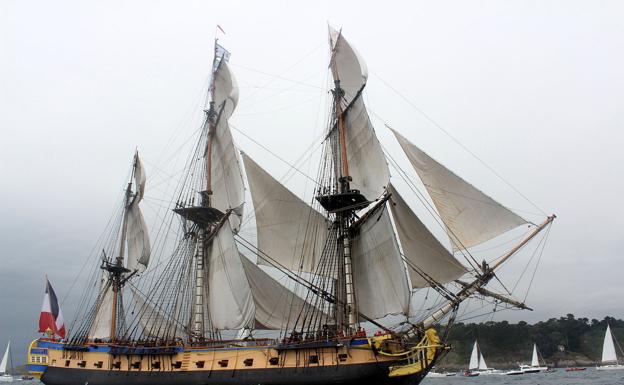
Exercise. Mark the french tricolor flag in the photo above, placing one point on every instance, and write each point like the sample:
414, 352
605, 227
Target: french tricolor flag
51, 317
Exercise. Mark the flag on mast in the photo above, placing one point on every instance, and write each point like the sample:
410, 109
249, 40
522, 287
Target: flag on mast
51, 317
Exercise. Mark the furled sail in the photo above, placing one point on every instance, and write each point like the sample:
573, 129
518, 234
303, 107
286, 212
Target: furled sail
421, 248
289, 230
228, 189
137, 235
153, 321
608, 348
379, 276
275, 303
367, 164
230, 301
101, 326
471, 217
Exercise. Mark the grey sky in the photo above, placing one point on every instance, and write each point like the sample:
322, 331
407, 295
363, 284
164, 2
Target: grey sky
534, 88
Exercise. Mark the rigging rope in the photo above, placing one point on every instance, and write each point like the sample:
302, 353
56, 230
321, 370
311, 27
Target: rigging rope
458, 142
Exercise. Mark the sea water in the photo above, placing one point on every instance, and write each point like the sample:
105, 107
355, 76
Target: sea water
591, 376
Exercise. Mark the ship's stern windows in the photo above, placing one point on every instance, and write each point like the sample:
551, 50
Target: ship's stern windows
200, 364
248, 362
67, 362
177, 365
313, 359
98, 364
136, 365
82, 364
342, 357
223, 363
117, 365
156, 365
274, 360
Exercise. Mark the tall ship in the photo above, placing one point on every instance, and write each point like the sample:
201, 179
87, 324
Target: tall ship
348, 259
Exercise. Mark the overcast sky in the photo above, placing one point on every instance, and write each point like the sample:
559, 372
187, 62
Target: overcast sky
533, 88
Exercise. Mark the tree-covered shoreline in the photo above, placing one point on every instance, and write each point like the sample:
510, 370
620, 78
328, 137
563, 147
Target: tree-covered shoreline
564, 341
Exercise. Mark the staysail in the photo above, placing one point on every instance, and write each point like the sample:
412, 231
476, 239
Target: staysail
153, 321
275, 304
608, 348
289, 230
367, 164
470, 216
482, 364
101, 326
230, 301
381, 285
421, 248
228, 189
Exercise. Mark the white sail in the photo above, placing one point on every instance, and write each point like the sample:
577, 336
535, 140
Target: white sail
421, 248
534, 359
482, 364
289, 230
5, 358
470, 216
367, 163
228, 189
608, 348
101, 326
230, 301
153, 321
139, 177
380, 281
275, 304
137, 236
474, 357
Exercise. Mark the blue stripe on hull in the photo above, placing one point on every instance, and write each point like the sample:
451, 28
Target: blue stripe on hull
37, 368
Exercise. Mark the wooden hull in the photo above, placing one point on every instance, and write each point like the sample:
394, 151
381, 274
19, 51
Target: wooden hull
343, 375
353, 362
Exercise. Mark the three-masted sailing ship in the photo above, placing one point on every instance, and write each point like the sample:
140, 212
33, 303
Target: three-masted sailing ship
352, 256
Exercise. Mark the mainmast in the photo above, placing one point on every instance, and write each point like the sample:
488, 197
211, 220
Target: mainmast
343, 202
345, 217
207, 218
206, 195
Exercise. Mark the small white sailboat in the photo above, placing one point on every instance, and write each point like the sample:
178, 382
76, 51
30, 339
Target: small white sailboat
535, 364
477, 365
609, 357
4, 375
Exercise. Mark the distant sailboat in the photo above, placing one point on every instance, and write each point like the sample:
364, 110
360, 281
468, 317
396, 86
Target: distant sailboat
535, 364
477, 365
609, 357
4, 375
